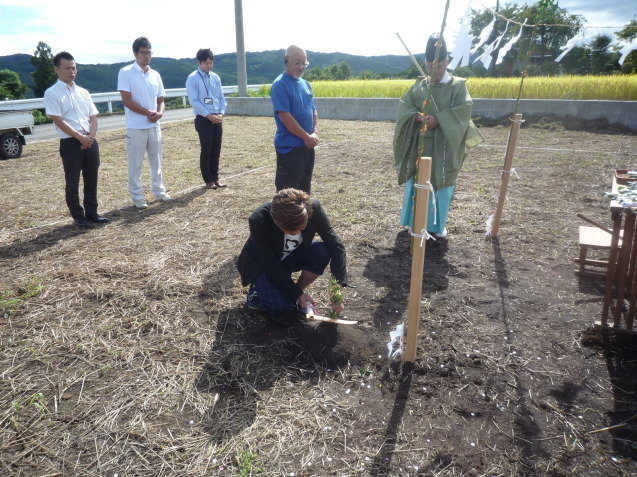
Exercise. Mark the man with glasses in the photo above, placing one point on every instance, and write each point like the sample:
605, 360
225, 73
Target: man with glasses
209, 105
448, 136
296, 123
142, 93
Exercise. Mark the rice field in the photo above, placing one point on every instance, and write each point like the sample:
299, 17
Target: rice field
611, 88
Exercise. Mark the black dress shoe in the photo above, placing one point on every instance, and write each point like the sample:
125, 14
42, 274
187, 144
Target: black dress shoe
98, 219
81, 222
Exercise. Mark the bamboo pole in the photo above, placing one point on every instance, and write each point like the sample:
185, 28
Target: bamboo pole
418, 256
413, 59
506, 172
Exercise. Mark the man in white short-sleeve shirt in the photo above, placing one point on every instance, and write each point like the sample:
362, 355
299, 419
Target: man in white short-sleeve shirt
75, 117
143, 93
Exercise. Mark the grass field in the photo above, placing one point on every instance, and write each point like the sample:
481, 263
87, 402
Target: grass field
127, 349
616, 87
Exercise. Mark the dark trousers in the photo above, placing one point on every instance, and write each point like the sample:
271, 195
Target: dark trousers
314, 259
80, 162
210, 141
294, 169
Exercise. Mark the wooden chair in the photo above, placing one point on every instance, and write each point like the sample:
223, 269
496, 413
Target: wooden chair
592, 238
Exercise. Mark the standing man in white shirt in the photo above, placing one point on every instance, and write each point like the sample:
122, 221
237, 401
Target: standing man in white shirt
75, 117
209, 105
142, 93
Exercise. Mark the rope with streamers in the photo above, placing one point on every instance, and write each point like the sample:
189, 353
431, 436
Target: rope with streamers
512, 171
424, 235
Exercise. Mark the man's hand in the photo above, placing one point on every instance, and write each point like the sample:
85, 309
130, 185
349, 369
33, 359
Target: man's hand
304, 300
154, 116
311, 141
87, 141
215, 118
338, 308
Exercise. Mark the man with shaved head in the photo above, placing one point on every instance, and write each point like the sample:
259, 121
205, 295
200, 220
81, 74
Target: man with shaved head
296, 123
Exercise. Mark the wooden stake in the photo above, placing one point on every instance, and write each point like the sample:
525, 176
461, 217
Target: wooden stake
506, 173
612, 266
418, 255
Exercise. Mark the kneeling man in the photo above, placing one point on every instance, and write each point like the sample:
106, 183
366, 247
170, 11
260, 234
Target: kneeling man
280, 243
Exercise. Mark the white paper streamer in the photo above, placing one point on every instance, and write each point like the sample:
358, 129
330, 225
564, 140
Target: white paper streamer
572, 43
486, 57
462, 47
396, 337
489, 224
626, 50
484, 35
505, 49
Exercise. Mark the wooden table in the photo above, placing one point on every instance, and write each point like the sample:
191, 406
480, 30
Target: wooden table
620, 279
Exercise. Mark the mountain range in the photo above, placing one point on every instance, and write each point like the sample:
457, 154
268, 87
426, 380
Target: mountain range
262, 67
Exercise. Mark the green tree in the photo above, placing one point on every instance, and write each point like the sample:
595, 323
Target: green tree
368, 75
577, 61
411, 71
344, 71
44, 74
553, 27
10, 85
600, 55
481, 18
315, 73
628, 34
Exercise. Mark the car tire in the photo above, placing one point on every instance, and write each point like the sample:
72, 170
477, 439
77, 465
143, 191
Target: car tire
10, 146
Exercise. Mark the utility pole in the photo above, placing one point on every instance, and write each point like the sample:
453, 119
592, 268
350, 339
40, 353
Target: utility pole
242, 77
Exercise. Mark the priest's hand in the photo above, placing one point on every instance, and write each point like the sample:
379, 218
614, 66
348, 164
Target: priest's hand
432, 122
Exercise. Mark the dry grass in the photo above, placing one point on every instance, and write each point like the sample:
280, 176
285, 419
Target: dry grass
126, 349
102, 368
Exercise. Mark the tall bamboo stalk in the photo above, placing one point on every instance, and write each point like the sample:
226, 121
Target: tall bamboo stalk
430, 84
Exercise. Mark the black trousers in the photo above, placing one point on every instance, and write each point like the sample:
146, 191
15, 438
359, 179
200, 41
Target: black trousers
210, 135
80, 162
294, 169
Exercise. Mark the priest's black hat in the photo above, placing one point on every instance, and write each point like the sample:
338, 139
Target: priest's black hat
430, 53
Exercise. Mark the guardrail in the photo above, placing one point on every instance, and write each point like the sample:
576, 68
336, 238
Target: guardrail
384, 109
110, 98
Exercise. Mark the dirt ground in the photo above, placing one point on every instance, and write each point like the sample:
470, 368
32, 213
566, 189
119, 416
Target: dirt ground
127, 349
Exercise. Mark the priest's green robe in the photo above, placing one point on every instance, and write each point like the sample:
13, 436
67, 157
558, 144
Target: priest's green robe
447, 145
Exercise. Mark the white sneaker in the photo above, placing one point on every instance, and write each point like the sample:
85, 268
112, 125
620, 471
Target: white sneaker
442, 234
140, 204
164, 198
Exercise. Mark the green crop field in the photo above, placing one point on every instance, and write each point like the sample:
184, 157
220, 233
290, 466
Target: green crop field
617, 88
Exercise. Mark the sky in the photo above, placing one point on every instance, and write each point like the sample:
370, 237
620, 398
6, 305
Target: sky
104, 32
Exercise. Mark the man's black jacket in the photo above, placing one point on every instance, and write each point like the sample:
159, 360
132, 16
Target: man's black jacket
263, 250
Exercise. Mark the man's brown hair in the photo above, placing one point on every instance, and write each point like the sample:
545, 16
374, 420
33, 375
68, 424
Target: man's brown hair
291, 209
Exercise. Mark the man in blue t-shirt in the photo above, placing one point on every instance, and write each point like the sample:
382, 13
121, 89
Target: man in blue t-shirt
296, 123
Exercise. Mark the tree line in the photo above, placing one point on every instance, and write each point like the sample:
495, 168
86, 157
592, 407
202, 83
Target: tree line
535, 52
